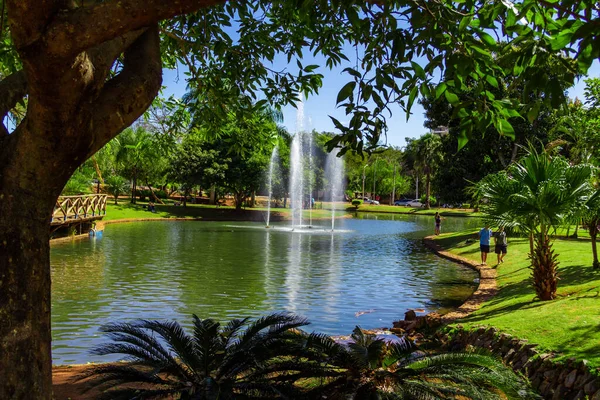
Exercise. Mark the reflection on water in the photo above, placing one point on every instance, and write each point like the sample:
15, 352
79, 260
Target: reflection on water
169, 270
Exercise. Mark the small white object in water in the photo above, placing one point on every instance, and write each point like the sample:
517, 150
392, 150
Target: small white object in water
359, 313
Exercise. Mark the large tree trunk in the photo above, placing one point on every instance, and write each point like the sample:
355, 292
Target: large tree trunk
239, 199
72, 112
25, 357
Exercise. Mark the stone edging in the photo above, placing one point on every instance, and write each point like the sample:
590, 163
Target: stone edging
565, 380
487, 282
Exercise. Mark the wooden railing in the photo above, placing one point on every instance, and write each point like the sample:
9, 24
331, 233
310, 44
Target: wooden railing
73, 208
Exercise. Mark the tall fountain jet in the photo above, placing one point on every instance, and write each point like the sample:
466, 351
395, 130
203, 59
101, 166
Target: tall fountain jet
274, 161
297, 170
334, 171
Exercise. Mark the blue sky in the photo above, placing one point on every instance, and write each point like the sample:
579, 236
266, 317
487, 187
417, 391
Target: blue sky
318, 108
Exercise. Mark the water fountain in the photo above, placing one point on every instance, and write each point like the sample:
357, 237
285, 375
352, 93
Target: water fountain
273, 163
297, 168
302, 165
296, 180
334, 171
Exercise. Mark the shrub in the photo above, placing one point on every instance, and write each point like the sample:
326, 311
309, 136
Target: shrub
432, 199
356, 203
161, 194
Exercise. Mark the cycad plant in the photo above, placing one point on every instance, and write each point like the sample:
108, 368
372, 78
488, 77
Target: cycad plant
534, 195
243, 359
370, 368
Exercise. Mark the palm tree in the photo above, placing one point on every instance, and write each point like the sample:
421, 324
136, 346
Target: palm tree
243, 359
116, 186
370, 368
534, 195
428, 155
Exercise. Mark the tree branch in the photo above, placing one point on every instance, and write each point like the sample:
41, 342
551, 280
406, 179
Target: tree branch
78, 30
125, 97
13, 88
28, 19
103, 56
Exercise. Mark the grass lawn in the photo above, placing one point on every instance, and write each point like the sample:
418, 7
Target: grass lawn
125, 210
569, 325
418, 211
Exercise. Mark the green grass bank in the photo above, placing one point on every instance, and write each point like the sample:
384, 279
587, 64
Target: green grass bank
569, 325
125, 210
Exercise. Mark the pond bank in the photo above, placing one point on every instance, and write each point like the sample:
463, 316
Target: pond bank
487, 282
553, 342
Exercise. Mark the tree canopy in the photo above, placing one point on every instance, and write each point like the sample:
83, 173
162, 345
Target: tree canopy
78, 72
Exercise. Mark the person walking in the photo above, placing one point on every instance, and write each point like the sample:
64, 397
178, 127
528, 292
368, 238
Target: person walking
438, 223
501, 244
484, 242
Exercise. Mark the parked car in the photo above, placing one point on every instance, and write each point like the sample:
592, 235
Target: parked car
402, 202
369, 201
414, 203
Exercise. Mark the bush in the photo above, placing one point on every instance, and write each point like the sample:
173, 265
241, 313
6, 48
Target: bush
161, 194
432, 199
356, 203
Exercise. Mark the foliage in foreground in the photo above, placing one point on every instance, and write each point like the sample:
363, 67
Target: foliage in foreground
272, 358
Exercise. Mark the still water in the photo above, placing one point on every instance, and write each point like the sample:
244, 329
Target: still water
368, 275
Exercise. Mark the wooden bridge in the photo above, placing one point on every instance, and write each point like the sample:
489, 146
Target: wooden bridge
77, 209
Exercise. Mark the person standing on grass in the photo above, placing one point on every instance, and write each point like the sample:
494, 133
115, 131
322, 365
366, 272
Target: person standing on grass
484, 242
501, 244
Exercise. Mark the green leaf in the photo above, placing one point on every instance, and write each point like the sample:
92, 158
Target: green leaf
463, 138
440, 89
492, 80
487, 39
411, 99
451, 97
353, 72
505, 128
419, 71
346, 92
561, 40
464, 23
533, 112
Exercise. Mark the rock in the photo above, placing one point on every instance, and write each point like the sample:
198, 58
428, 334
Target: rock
420, 322
397, 331
410, 315
570, 379
401, 324
591, 388
579, 396
596, 396
433, 320
559, 393
544, 388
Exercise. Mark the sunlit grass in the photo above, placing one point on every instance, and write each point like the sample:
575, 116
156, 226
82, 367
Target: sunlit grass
125, 210
569, 325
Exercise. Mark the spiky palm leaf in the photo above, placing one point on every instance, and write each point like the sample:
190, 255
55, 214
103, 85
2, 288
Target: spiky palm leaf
402, 373
243, 359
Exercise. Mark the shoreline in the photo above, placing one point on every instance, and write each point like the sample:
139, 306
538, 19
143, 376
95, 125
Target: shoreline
488, 287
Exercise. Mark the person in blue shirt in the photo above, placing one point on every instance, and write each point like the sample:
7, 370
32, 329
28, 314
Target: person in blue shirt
484, 242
